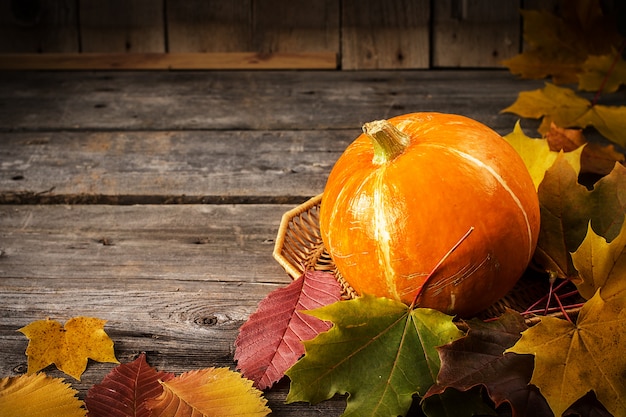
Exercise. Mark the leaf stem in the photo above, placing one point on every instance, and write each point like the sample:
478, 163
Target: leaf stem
436, 267
608, 73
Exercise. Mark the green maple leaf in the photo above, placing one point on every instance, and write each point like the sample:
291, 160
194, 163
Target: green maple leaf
566, 109
379, 351
602, 265
572, 359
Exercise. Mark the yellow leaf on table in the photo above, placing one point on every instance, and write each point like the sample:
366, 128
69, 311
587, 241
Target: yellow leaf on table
603, 71
572, 359
566, 109
601, 265
537, 155
69, 347
214, 392
38, 395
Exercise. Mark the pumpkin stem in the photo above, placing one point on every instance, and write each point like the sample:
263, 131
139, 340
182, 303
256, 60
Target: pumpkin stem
388, 141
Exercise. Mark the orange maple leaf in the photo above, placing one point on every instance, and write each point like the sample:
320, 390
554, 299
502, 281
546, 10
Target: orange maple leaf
68, 347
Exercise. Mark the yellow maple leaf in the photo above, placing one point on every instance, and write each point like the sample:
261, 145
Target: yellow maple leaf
558, 45
68, 347
215, 392
601, 265
609, 69
572, 359
563, 107
537, 155
38, 395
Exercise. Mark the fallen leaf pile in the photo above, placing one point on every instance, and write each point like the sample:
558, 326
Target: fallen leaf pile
580, 46
389, 359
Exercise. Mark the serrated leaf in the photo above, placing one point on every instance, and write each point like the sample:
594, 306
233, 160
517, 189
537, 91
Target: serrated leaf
69, 347
567, 208
210, 392
537, 154
603, 71
379, 351
270, 341
563, 107
38, 395
572, 359
565, 211
479, 359
124, 391
602, 265
559, 44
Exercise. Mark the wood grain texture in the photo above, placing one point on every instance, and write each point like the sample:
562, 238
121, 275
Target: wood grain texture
167, 167
209, 25
295, 26
385, 35
265, 100
36, 27
122, 26
169, 61
475, 33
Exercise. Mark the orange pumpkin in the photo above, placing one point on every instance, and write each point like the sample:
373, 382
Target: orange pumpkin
404, 195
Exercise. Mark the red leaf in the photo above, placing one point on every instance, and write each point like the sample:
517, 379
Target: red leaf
124, 391
270, 342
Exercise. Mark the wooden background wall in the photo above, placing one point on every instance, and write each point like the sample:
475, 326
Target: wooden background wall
343, 34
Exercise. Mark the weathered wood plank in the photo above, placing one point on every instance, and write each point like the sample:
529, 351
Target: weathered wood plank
167, 167
122, 26
209, 25
38, 26
176, 282
475, 33
169, 61
295, 26
273, 100
385, 35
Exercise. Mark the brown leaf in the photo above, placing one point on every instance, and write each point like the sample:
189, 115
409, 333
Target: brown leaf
124, 391
562, 139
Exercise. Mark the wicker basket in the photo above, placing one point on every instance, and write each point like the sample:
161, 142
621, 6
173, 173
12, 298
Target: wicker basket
299, 247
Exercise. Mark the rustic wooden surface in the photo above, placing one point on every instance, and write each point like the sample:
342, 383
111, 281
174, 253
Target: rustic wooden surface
364, 34
152, 200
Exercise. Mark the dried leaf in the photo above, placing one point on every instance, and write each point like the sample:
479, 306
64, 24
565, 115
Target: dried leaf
599, 159
565, 212
609, 69
379, 351
602, 265
210, 392
479, 359
270, 342
572, 359
124, 391
559, 44
537, 155
566, 140
68, 347
563, 107
38, 395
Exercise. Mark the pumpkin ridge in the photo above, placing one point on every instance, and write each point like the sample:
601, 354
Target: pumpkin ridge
500, 181
381, 230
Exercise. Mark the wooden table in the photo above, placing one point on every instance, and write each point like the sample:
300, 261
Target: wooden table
152, 199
